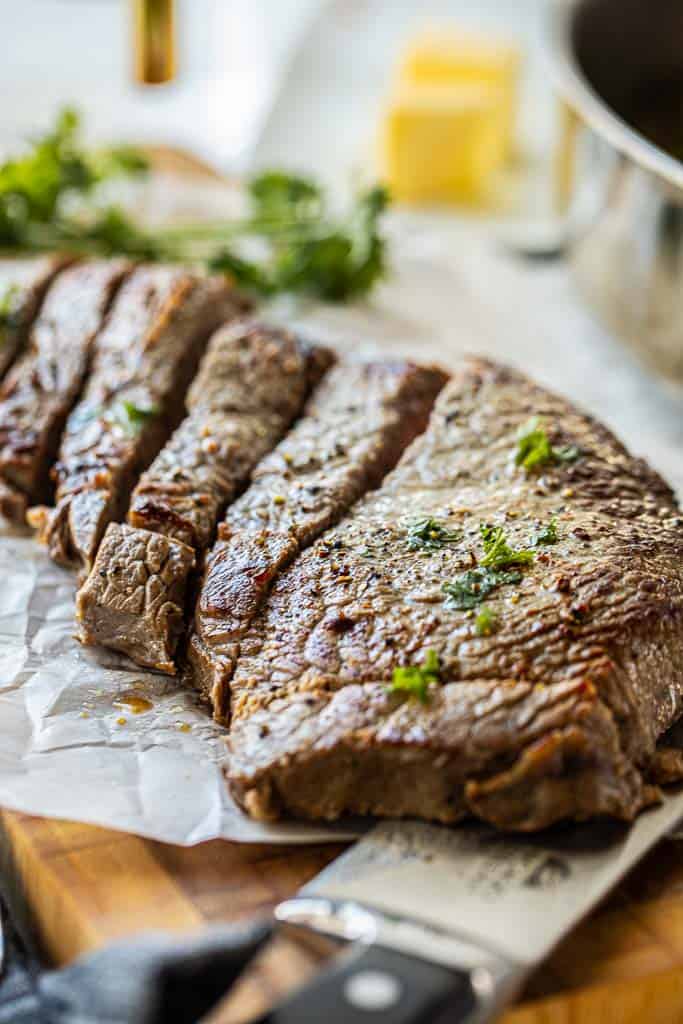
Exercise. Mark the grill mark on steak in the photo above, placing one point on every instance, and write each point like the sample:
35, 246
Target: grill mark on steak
251, 385
356, 426
146, 356
598, 616
26, 281
44, 383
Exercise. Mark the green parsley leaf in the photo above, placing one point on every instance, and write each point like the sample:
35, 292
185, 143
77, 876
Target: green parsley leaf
430, 534
486, 622
415, 680
474, 586
305, 248
497, 552
546, 534
276, 195
534, 447
133, 417
306, 251
33, 187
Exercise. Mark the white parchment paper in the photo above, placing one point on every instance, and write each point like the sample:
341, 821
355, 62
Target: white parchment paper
67, 750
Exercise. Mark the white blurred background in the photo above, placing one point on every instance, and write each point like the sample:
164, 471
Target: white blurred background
234, 57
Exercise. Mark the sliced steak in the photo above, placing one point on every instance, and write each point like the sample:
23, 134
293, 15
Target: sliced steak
144, 361
252, 383
23, 284
42, 386
356, 426
546, 706
134, 599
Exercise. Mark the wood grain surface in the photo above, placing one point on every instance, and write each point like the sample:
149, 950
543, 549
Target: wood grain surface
84, 886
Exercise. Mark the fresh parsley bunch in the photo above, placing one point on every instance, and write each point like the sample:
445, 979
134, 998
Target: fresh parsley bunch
304, 247
308, 250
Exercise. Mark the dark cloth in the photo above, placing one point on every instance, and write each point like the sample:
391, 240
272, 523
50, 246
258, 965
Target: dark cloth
154, 979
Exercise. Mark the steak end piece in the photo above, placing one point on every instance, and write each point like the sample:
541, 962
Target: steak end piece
134, 599
355, 427
546, 600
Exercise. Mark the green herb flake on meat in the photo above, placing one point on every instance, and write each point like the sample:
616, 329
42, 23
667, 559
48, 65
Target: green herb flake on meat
415, 680
534, 448
430, 535
486, 622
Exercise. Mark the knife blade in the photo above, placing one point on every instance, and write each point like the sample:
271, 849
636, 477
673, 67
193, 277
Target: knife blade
449, 922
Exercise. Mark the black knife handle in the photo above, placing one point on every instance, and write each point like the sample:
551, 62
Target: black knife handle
378, 985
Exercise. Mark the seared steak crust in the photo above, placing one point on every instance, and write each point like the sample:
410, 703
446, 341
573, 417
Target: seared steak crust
40, 389
554, 714
23, 284
356, 426
144, 361
252, 383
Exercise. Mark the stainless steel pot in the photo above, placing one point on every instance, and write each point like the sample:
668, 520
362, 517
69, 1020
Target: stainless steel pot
615, 60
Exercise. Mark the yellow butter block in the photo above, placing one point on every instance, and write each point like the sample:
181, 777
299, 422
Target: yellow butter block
442, 143
449, 57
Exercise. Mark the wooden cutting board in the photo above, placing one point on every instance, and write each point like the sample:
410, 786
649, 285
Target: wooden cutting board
80, 887
83, 886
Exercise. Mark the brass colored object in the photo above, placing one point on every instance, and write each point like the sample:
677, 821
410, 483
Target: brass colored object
155, 41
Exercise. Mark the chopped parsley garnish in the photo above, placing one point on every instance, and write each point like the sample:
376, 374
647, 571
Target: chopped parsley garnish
546, 534
430, 535
474, 586
534, 447
486, 622
497, 552
415, 679
133, 417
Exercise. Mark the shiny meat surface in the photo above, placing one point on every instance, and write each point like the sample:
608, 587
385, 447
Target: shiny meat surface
356, 426
23, 284
252, 382
251, 385
40, 389
144, 361
547, 707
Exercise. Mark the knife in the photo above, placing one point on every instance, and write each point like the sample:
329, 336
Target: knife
446, 924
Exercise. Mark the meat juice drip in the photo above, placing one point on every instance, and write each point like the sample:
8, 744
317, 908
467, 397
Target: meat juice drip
133, 702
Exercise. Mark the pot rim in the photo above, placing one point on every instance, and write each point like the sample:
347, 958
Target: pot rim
577, 91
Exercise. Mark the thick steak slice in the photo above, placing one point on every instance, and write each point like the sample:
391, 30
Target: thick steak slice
546, 706
356, 426
42, 386
23, 284
144, 361
252, 383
